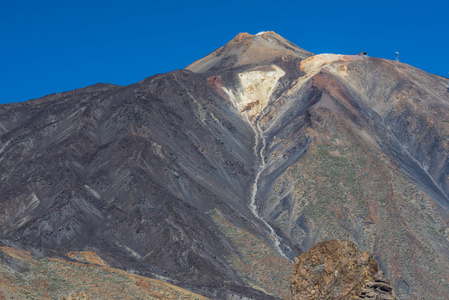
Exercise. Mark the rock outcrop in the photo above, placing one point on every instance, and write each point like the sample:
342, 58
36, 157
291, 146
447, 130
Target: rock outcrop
337, 269
379, 288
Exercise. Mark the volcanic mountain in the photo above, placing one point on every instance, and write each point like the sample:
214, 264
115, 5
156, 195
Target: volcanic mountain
216, 176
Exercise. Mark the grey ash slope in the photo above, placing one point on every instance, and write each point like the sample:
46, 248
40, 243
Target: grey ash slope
336, 146
129, 172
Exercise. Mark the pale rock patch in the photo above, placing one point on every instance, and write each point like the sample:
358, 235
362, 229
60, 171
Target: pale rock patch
257, 86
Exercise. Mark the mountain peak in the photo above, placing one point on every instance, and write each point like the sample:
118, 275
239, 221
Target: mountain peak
246, 49
262, 34
267, 34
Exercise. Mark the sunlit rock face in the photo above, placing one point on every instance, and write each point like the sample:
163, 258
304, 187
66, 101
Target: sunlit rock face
337, 269
288, 148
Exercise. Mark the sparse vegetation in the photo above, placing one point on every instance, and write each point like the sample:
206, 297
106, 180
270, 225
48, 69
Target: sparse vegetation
349, 190
56, 278
256, 263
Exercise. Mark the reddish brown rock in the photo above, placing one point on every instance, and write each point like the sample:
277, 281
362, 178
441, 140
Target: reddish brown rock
249, 106
337, 269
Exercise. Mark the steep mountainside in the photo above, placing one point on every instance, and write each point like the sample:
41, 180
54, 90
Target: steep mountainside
216, 176
130, 172
375, 171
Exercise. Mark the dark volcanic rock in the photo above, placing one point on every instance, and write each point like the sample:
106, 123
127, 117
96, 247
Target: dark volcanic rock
130, 172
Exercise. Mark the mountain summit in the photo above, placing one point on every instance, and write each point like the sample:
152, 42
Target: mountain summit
246, 49
215, 177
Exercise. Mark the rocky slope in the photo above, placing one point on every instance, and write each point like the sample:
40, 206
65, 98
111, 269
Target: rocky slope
259, 141
336, 269
85, 276
374, 172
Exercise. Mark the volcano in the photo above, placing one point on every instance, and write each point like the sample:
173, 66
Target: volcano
216, 176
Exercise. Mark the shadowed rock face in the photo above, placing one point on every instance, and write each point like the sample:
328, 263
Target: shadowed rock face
287, 147
379, 288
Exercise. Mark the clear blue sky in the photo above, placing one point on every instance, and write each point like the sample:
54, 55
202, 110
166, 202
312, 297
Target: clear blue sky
54, 46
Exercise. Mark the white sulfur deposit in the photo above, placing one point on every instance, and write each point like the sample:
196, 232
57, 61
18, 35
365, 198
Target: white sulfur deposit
257, 86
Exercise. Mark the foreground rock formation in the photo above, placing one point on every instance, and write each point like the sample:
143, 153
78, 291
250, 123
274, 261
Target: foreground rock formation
337, 269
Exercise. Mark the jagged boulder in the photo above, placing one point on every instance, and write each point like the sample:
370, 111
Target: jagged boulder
337, 269
378, 289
